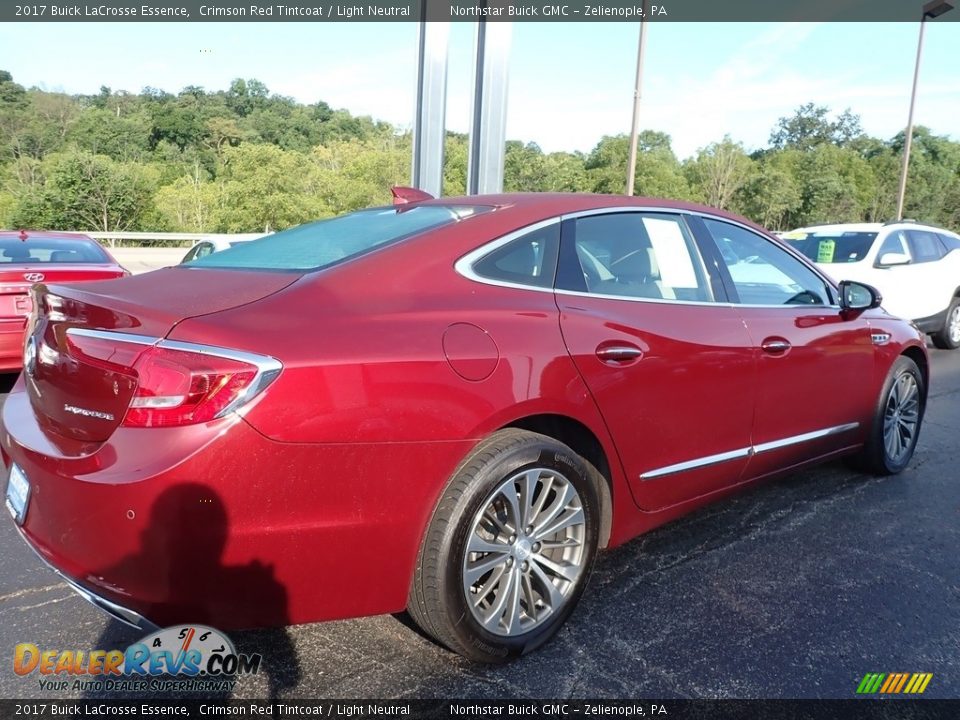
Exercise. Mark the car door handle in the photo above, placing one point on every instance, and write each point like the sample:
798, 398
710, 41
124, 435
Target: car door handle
619, 354
775, 346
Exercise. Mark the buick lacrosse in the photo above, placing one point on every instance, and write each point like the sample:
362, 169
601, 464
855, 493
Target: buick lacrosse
442, 406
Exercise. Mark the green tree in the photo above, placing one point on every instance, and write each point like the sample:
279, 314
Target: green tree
718, 172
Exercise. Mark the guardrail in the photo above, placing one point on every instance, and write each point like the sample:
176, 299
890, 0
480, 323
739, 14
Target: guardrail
151, 237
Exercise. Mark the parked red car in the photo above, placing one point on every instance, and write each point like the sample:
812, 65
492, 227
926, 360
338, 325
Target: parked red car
446, 407
30, 257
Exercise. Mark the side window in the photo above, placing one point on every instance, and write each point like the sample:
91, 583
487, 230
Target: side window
639, 255
204, 249
528, 260
924, 245
949, 242
895, 242
762, 272
191, 254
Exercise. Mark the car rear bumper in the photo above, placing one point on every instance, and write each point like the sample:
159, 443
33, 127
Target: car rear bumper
117, 612
217, 524
11, 343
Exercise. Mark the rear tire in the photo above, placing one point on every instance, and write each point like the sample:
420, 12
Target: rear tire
896, 421
948, 337
509, 548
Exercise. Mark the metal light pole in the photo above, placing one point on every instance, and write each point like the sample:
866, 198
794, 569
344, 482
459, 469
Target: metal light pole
635, 123
932, 9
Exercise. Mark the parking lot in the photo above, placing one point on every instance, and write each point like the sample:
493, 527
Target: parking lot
793, 589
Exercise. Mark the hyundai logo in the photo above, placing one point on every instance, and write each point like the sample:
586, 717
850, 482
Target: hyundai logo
33, 277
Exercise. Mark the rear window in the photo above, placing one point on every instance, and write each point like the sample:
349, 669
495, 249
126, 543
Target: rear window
843, 247
323, 243
34, 251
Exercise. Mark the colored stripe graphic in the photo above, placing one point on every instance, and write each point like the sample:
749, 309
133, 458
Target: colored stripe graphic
894, 683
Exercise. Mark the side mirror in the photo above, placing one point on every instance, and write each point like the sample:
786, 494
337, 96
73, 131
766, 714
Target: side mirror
858, 296
889, 259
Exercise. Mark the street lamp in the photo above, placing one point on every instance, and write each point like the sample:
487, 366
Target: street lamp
933, 9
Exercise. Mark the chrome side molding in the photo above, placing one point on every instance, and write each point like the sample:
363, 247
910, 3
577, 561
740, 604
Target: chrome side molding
747, 451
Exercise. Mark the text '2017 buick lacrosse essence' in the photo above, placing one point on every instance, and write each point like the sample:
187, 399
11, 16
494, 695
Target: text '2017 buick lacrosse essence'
445, 407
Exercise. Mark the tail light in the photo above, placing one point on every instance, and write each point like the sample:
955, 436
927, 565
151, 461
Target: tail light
177, 383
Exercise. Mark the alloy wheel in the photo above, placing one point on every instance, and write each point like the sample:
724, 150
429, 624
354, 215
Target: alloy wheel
901, 417
953, 325
525, 552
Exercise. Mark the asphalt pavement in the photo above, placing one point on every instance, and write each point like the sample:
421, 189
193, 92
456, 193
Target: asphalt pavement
794, 589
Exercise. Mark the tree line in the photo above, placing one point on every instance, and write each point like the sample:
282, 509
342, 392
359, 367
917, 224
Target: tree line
246, 160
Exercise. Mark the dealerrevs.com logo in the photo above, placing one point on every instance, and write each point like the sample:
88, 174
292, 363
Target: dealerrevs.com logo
183, 657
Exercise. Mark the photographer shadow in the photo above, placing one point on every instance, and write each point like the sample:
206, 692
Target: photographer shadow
183, 544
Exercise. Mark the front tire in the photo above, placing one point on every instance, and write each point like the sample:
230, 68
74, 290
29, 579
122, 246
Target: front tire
896, 421
948, 337
509, 549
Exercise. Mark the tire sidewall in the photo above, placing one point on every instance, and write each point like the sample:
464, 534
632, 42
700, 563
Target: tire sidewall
543, 452
903, 365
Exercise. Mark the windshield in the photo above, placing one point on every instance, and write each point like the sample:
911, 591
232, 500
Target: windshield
35, 251
323, 243
832, 247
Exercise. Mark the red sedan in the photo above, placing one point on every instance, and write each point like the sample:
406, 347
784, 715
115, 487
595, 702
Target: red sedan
446, 406
30, 257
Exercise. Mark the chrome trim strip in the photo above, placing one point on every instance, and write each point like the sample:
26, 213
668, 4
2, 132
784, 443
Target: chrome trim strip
746, 452
656, 301
699, 462
268, 368
111, 335
796, 439
117, 612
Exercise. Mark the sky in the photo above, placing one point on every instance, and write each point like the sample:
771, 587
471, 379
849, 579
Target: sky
570, 83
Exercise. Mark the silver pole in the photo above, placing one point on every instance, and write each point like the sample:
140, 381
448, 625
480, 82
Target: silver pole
429, 126
635, 123
488, 129
906, 148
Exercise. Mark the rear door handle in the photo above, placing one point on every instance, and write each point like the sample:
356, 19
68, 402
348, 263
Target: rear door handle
619, 354
775, 346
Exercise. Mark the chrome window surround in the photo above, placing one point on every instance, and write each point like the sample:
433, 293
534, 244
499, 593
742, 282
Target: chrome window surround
464, 266
268, 368
747, 451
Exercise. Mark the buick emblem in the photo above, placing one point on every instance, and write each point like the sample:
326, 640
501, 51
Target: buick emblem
30, 355
33, 277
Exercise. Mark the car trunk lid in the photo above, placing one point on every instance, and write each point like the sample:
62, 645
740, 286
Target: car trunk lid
84, 339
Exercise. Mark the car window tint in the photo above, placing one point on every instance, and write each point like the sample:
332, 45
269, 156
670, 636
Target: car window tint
764, 273
320, 244
640, 255
895, 242
833, 247
924, 245
528, 260
50, 250
950, 242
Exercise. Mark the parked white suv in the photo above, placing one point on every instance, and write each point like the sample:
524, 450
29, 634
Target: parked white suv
915, 267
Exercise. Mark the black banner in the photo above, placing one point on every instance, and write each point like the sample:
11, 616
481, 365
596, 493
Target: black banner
856, 709
469, 11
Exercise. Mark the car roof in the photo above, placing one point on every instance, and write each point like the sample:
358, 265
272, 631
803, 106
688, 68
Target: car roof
552, 204
841, 227
45, 235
